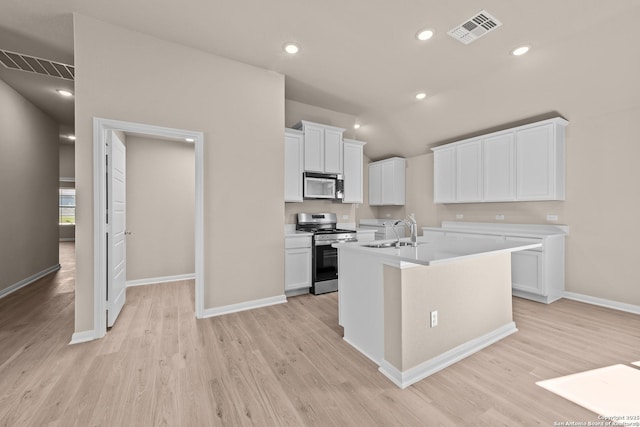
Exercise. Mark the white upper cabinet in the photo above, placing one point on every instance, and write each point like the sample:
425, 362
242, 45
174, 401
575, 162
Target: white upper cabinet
498, 168
387, 182
469, 171
353, 171
375, 184
333, 152
540, 162
519, 164
322, 147
293, 165
444, 175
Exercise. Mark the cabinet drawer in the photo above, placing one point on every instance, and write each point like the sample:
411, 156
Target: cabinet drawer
297, 242
527, 240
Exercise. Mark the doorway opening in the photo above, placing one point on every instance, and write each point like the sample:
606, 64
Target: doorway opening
102, 128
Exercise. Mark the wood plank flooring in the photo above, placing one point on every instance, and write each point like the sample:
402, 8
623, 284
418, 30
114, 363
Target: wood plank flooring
284, 365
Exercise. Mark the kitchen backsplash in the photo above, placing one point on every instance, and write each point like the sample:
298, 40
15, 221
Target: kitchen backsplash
316, 206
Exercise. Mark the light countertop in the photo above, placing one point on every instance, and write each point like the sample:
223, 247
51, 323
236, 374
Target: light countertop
523, 230
438, 250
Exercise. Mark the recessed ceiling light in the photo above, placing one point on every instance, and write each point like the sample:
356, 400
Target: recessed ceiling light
520, 50
64, 92
356, 126
189, 139
425, 34
291, 48
421, 95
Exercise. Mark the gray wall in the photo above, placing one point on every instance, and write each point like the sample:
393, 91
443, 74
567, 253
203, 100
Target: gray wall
29, 190
160, 208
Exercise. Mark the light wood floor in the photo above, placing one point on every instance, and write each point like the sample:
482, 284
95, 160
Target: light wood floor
279, 365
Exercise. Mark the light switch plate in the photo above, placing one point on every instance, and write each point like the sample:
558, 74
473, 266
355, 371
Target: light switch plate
500, 217
552, 217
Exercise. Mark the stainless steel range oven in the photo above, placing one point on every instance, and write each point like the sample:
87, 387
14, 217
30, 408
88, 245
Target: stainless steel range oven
325, 257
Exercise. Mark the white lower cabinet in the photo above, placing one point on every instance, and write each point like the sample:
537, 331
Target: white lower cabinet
526, 271
536, 274
297, 263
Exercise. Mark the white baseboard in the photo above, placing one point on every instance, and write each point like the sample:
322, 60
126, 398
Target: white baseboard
630, 308
29, 280
154, 280
404, 379
84, 336
249, 305
67, 239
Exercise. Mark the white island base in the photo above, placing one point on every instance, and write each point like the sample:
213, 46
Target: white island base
385, 306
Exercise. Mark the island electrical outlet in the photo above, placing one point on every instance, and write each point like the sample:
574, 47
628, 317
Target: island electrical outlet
434, 319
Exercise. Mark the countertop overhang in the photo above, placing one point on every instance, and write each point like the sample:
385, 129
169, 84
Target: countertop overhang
439, 250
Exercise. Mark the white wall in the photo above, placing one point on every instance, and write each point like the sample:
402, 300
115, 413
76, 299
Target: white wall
160, 208
125, 75
29, 190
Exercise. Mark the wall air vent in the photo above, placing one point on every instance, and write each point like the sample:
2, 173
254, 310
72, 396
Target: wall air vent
475, 27
31, 64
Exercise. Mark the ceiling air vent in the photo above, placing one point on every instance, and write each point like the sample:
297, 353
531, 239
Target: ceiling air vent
18, 61
475, 27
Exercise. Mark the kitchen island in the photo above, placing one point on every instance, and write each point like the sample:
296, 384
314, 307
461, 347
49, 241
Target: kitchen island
416, 310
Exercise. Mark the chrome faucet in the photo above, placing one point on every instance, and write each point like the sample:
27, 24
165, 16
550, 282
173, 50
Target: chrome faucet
413, 227
400, 221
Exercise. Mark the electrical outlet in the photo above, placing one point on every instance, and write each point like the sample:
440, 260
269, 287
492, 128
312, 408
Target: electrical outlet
459, 216
434, 318
500, 217
552, 217
345, 216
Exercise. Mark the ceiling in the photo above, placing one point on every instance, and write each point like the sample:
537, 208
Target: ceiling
361, 57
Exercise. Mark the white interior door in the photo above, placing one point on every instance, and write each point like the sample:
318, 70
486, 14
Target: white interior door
116, 225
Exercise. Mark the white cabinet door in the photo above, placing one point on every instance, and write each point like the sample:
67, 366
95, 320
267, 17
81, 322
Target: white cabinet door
387, 182
297, 273
469, 172
293, 165
375, 184
526, 271
313, 148
353, 169
444, 174
498, 168
333, 151
535, 163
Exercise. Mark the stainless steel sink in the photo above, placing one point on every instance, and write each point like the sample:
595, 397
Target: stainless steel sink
387, 245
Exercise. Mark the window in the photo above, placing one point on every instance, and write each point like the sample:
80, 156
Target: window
67, 206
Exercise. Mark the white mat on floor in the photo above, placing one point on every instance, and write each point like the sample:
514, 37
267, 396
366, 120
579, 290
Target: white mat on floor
613, 391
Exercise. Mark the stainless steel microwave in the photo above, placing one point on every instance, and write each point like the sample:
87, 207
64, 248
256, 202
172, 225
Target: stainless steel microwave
323, 186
